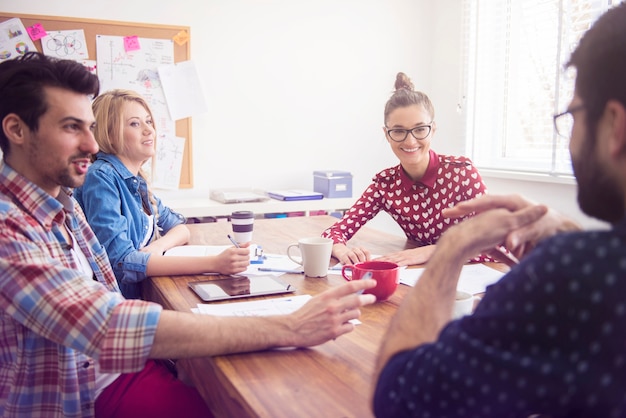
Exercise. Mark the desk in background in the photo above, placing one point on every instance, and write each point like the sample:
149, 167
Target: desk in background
330, 380
205, 207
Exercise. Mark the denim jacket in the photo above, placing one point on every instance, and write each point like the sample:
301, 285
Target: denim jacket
113, 201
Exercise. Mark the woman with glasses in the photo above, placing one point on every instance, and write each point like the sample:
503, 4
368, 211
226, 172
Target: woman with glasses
129, 220
416, 190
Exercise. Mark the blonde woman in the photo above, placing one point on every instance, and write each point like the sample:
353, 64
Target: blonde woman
132, 223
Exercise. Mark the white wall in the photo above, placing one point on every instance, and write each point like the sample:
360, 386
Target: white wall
295, 86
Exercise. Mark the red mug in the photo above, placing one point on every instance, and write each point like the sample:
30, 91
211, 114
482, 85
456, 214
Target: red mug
386, 274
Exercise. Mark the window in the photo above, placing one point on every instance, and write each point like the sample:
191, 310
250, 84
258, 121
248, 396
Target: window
514, 79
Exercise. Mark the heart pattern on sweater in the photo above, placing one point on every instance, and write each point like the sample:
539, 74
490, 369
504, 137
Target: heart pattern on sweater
417, 207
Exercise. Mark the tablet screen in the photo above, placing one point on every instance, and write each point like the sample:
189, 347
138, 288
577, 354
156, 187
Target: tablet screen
234, 287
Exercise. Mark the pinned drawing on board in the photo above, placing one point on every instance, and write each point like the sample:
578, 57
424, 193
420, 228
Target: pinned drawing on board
65, 44
14, 39
168, 161
90, 65
138, 71
182, 89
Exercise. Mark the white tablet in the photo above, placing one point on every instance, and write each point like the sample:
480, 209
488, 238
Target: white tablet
236, 286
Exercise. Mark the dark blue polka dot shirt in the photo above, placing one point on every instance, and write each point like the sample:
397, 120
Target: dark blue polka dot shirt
548, 338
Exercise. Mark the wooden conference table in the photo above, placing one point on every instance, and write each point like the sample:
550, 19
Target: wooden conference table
330, 380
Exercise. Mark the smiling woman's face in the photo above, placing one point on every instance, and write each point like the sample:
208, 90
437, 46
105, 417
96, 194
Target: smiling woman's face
412, 153
139, 133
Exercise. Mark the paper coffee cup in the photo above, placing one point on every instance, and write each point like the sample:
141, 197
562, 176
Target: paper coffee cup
243, 224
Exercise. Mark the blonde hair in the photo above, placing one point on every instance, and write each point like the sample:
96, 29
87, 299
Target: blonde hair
405, 95
109, 131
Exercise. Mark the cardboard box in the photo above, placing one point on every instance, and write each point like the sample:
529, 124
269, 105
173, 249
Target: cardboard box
333, 183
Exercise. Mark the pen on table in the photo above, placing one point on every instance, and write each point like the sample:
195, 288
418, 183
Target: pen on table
368, 275
507, 254
281, 270
233, 241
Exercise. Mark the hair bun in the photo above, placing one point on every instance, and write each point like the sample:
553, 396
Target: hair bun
403, 82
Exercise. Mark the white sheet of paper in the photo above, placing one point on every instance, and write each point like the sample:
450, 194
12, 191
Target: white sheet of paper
14, 39
183, 89
196, 250
168, 162
263, 307
474, 278
65, 44
279, 262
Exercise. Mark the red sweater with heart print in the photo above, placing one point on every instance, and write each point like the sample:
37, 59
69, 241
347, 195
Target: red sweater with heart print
415, 206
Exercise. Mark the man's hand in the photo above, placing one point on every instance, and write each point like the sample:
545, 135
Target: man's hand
519, 241
489, 229
327, 315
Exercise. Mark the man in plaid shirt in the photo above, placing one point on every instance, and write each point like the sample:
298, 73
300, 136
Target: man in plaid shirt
70, 344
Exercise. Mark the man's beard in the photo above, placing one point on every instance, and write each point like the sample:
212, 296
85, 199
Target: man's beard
67, 180
599, 195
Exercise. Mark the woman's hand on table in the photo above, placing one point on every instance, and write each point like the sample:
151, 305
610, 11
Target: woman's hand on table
232, 260
410, 257
347, 255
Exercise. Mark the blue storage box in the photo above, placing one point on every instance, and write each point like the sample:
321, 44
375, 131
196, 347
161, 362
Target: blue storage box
333, 183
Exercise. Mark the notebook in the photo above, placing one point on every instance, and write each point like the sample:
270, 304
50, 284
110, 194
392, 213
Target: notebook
238, 195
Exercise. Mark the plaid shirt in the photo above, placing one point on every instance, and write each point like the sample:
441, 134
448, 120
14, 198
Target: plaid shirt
55, 323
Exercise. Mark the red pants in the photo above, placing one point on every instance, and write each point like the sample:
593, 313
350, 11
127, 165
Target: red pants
153, 392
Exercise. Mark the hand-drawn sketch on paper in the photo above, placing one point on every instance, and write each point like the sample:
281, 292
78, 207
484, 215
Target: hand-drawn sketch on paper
138, 70
168, 161
65, 44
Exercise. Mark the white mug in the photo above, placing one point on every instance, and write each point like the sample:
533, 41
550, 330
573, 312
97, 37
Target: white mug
315, 255
463, 304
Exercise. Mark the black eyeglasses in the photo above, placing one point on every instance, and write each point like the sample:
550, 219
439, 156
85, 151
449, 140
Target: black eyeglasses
399, 135
564, 122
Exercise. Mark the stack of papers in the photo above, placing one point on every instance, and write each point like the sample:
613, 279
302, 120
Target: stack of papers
272, 264
474, 278
263, 307
238, 195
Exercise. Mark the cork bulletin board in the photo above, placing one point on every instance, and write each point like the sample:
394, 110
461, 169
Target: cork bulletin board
93, 27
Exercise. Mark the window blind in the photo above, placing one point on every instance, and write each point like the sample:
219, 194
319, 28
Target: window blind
514, 79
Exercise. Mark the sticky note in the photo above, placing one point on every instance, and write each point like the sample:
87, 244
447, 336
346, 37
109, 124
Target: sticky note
36, 31
131, 43
181, 37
